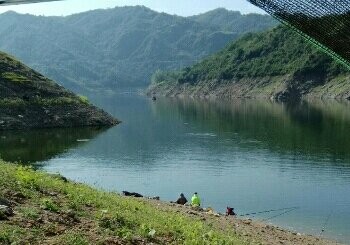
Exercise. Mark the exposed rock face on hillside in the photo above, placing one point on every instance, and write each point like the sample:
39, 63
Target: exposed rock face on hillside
276, 64
29, 100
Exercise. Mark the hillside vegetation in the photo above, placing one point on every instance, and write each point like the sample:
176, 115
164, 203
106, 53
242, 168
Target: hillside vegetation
277, 63
29, 100
120, 47
234, 21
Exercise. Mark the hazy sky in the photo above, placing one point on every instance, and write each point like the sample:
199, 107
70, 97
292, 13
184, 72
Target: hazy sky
179, 7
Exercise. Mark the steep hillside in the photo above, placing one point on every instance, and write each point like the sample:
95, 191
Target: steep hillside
113, 48
275, 64
29, 100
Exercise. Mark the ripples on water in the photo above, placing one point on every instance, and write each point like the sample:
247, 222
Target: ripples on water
251, 155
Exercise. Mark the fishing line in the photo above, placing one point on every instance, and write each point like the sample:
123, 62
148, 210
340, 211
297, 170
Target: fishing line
268, 211
278, 215
326, 222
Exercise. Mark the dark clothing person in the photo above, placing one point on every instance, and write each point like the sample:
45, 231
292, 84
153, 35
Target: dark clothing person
229, 211
182, 199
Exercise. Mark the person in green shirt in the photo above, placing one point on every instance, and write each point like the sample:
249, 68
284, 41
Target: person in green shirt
195, 200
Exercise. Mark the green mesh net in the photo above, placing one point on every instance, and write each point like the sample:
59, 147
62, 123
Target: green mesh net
325, 23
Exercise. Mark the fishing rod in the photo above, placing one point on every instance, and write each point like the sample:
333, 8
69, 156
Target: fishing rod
268, 211
325, 223
278, 215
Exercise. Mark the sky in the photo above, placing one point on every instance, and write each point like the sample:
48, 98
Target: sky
179, 7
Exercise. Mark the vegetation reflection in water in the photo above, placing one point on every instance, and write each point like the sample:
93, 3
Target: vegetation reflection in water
317, 129
41, 145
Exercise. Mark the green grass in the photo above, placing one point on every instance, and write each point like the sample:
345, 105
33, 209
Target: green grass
17, 102
14, 102
58, 101
15, 77
83, 99
106, 215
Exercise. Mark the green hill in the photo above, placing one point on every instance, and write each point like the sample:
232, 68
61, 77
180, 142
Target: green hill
275, 64
29, 100
234, 21
120, 47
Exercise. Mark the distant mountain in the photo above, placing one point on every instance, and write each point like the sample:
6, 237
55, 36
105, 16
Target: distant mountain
234, 21
30, 100
276, 64
120, 47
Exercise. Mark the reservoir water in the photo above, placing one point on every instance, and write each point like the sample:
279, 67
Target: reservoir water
252, 155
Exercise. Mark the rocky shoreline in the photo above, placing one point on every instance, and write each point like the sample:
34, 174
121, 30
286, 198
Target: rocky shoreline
274, 88
53, 116
254, 232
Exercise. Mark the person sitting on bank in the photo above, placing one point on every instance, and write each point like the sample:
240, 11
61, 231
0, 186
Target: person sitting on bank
230, 211
195, 201
182, 199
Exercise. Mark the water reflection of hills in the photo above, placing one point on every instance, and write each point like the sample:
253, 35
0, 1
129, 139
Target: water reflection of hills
40, 145
316, 129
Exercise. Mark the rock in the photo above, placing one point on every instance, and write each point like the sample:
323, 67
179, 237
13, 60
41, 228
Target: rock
4, 202
64, 179
196, 208
191, 212
156, 198
5, 212
152, 233
19, 195
60, 177
247, 222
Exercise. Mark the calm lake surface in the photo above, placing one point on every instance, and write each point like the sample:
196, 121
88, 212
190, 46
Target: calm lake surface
252, 155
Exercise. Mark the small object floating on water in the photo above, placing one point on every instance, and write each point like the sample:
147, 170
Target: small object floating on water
154, 98
83, 140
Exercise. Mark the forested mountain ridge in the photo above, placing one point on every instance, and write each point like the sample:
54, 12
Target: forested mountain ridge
234, 21
30, 100
119, 47
276, 64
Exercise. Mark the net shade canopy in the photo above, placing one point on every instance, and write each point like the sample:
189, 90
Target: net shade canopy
15, 2
325, 23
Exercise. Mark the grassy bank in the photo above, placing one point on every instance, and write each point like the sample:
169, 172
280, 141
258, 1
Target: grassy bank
48, 209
